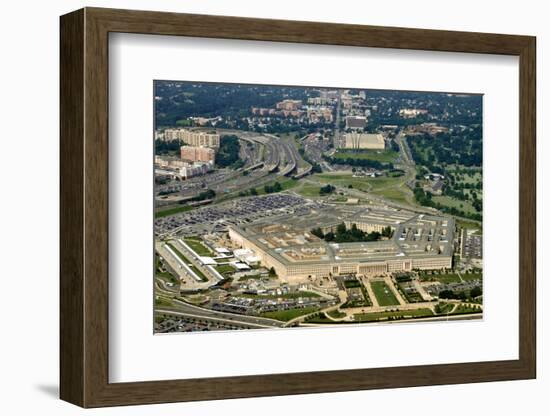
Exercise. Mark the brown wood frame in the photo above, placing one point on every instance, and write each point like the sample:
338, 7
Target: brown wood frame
84, 208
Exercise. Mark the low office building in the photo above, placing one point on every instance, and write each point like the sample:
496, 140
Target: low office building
191, 170
356, 122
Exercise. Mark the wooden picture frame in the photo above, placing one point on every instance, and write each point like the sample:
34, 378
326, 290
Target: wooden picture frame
84, 207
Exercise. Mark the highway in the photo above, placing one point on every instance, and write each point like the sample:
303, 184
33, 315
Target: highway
184, 307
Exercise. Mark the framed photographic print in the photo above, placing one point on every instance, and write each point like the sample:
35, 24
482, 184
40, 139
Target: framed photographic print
260, 207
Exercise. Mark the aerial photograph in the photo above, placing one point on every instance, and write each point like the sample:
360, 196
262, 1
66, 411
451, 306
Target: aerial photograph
310, 206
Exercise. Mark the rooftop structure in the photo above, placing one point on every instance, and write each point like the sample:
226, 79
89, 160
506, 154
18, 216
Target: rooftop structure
419, 241
290, 105
356, 122
363, 141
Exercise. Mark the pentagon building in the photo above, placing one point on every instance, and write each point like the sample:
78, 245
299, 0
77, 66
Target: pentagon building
419, 241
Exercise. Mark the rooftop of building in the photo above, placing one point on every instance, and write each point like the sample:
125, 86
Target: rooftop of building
289, 239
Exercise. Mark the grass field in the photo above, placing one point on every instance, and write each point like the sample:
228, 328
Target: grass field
289, 314
471, 176
286, 183
172, 211
377, 316
320, 319
462, 308
383, 156
395, 194
461, 223
336, 314
162, 301
225, 268
443, 308
308, 190
392, 188
198, 246
447, 201
472, 276
383, 294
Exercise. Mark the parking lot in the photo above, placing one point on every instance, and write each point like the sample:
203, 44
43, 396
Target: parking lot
207, 219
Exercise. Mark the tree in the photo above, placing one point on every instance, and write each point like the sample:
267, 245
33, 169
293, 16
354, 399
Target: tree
476, 291
341, 228
327, 189
318, 232
272, 272
228, 153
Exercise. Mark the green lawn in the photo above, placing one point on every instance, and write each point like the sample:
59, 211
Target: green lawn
336, 314
377, 316
162, 301
383, 156
447, 201
443, 308
172, 211
383, 294
286, 183
308, 190
461, 308
461, 223
198, 246
393, 188
289, 314
395, 194
472, 276
225, 268
472, 176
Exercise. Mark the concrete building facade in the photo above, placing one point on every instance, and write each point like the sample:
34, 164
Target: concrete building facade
418, 242
193, 138
197, 154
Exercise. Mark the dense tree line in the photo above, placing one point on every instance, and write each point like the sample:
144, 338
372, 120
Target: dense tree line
445, 109
180, 100
327, 189
162, 147
364, 163
460, 295
228, 153
270, 189
425, 198
344, 235
461, 148
203, 196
